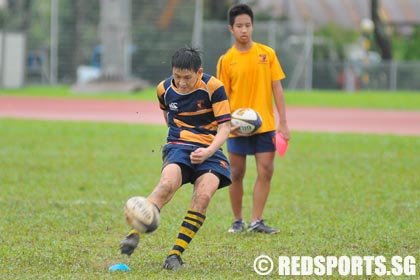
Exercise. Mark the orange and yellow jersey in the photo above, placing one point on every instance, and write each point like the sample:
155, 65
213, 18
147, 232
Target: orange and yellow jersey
193, 117
247, 77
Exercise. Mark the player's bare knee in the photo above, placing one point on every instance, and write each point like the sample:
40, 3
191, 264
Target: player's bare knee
200, 202
165, 190
266, 171
238, 173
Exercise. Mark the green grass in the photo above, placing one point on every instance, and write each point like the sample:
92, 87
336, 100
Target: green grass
362, 99
397, 100
63, 186
66, 92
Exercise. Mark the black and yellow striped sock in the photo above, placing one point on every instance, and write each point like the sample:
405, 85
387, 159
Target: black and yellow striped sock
189, 227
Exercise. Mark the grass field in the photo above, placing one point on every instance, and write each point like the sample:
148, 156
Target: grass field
63, 186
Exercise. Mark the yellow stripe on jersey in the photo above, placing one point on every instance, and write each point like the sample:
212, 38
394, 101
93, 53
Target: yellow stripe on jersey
220, 107
189, 136
182, 124
195, 113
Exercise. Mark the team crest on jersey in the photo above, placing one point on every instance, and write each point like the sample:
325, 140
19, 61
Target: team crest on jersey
223, 164
200, 105
263, 58
173, 106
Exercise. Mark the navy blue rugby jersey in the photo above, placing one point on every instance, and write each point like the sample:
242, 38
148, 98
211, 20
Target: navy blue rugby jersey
193, 117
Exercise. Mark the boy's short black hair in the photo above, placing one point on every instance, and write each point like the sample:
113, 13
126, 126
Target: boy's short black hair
187, 58
237, 10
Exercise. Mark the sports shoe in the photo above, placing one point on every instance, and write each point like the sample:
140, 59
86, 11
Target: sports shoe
237, 226
259, 226
129, 244
173, 262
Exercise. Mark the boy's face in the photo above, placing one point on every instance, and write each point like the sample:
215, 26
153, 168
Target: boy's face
242, 29
185, 80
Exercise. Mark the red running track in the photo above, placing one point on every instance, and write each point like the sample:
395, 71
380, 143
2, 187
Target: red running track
299, 118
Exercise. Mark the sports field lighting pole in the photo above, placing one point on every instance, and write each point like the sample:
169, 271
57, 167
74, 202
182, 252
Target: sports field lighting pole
197, 36
115, 35
366, 26
53, 41
2, 56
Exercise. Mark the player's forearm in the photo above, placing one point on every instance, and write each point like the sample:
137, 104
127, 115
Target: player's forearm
281, 110
221, 137
279, 102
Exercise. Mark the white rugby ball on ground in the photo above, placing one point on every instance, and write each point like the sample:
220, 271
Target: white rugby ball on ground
141, 214
248, 120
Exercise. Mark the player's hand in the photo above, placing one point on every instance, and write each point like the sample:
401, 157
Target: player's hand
284, 129
200, 155
235, 130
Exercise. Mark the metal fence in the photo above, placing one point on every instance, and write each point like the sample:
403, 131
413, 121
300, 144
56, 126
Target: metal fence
57, 45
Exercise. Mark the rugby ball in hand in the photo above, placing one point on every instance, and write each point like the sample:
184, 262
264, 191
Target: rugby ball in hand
248, 120
141, 214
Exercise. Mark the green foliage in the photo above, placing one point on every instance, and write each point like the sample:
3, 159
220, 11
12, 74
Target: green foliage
407, 48
81, 35
38, 33
333, 39
3, 16
153, 33
16, 17
216, 9
339, 38
63, 185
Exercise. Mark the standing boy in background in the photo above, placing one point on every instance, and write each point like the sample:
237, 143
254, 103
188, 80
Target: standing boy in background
251, 74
